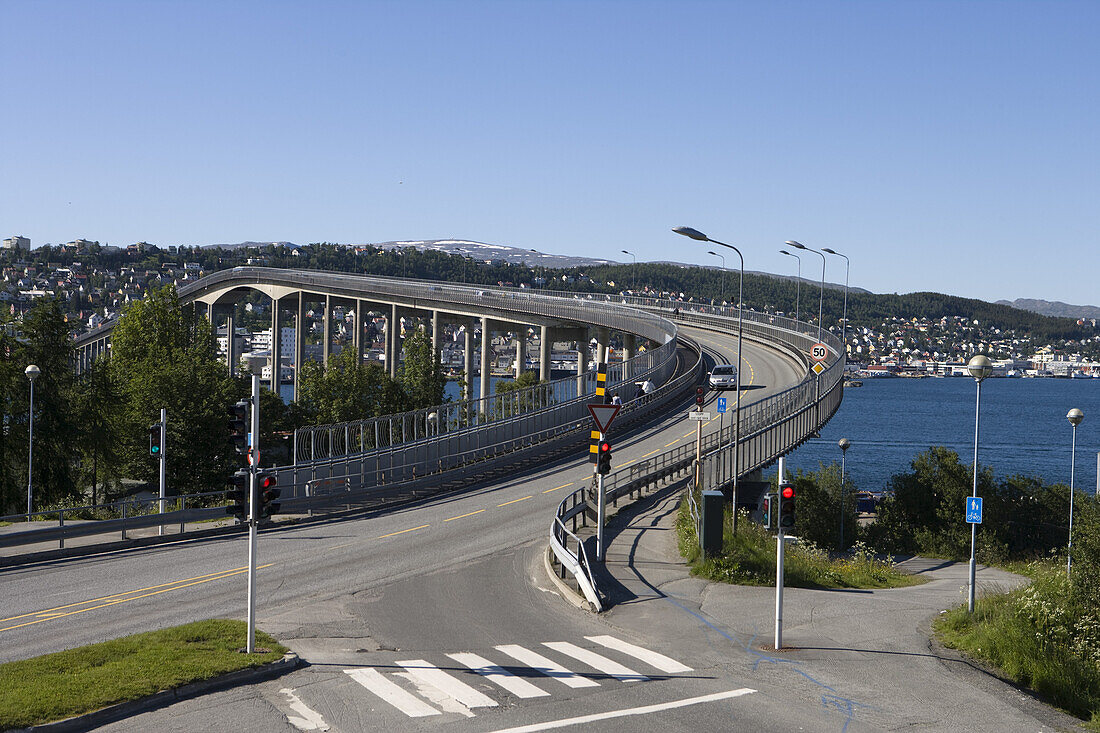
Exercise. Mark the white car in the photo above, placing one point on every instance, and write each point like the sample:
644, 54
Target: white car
723, 376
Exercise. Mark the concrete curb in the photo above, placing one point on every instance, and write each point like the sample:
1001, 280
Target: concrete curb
164, 698
564, 590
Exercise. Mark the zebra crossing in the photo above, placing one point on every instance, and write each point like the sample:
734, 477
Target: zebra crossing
421, 689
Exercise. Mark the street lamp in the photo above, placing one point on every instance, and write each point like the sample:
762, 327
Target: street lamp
700, 237
1075, 417
979, 367
844, 318
32, 373
797, 283
821, 297
633, 270
723, 273
844, 444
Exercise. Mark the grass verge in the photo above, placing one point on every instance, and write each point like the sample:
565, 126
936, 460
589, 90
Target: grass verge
77, 681
1038, 637
748, 558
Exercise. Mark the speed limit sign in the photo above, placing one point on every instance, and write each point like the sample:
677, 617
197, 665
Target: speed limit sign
819, 352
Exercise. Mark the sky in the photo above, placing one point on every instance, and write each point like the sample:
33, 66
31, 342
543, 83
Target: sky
942, 146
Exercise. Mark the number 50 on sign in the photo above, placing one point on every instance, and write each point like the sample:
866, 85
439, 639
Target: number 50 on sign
819, 352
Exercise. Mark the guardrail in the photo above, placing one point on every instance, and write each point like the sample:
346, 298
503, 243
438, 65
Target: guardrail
770, 427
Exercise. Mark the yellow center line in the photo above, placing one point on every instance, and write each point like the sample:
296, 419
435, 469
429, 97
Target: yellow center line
119, 595
672, 443
558, 487
513, 501
463, 516
393, 534
647, 455
688, 435
53, 616
624, 465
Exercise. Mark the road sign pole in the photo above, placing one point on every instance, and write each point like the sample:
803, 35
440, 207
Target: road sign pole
253, 511
601, 509
779, 543
699, 454
163, 461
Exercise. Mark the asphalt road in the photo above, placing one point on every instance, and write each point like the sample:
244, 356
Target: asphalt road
397, 591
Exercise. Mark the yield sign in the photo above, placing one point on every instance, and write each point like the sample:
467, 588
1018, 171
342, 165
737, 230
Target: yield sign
602, 415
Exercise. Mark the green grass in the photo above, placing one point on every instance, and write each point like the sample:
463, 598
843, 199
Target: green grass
76, 681
748, 558
1037, 637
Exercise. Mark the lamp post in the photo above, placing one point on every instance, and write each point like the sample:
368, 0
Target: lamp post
821, 297
843, 318
1075, 417
723, 273
797, 283
979, 367
32, 373
633, 270
844, 444
700, 237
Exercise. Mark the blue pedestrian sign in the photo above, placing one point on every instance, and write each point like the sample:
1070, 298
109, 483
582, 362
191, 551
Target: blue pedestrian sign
974, 509
721, 404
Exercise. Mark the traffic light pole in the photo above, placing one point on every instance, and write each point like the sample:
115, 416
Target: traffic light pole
779, 544
253, 510
163, 462
601, 510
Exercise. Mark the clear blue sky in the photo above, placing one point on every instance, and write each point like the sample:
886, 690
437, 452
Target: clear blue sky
948, 146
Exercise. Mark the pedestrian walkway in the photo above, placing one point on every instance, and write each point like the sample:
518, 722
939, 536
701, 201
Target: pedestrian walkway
867, 653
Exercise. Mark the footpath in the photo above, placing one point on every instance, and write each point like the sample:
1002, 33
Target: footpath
866, 657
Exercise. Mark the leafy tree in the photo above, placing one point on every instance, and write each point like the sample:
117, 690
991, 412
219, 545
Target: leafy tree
97, 414
347, 390
422, 376
162, 357
818, 508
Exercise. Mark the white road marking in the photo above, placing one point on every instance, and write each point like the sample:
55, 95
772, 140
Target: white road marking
536, 661
629, 711
596, 661
389, 691
306, 718
445, 683
494, 673
660, 661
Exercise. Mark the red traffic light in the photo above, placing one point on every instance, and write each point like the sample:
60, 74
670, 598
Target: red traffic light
267, 481
788, 492
605, 447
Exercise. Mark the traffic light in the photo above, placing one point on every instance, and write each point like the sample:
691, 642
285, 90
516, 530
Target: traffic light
786, 506
767, 510
699, 397
238, 426
154, 440
265, 486
238, 493
603, 458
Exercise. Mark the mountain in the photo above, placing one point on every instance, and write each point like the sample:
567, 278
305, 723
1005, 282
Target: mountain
1053, 308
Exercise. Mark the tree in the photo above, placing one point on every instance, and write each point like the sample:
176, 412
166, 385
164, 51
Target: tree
347, 390
97, 401
422, 376
46, 343
817, 498
164, 357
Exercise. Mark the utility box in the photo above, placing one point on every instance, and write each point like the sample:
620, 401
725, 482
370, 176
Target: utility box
712, 522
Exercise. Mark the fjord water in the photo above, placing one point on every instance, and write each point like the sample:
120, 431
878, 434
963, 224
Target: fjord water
1024, 429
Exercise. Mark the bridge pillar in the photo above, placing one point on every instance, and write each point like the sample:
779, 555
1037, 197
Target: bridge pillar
468, 359
630, 346
328, 330
582, 363
603, 343
521, 350
393, 341
435, 334
299, 344
486, 353
231, 341
276, 346
546, 344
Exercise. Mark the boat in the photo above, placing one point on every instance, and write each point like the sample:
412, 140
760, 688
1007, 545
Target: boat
852, 383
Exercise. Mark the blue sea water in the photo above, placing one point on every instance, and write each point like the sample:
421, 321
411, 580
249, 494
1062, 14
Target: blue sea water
1024, 429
